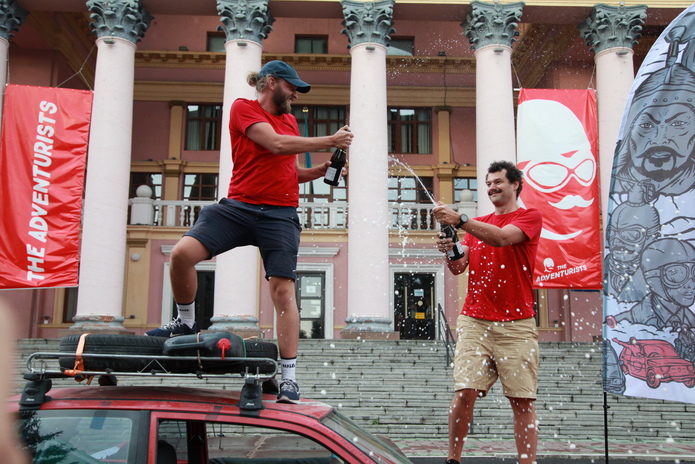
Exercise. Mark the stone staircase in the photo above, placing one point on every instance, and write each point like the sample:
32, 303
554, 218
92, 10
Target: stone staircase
402, 389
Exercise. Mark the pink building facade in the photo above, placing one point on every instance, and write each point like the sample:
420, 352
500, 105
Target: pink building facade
412, 89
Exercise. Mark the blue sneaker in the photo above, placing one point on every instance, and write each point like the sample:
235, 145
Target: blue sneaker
172, 329
289, 392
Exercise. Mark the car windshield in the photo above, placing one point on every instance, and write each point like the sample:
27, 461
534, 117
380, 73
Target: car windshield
377, 448
665, 350
79, 436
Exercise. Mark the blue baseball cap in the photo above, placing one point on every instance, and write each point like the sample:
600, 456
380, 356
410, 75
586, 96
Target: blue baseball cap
285, 71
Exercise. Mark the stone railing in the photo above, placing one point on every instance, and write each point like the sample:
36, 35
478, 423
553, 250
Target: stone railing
312, 216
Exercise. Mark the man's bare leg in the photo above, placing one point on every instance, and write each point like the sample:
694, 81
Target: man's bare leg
283, 295
525, 429
460, 418
184, 256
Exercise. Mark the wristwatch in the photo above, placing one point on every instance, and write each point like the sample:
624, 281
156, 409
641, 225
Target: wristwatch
464, 219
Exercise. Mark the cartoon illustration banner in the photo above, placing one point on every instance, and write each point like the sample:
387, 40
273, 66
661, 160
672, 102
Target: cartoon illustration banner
42, 161
557, 147
649, 331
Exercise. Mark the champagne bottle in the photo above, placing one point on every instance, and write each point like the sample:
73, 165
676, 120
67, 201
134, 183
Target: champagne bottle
457, 251
335, 170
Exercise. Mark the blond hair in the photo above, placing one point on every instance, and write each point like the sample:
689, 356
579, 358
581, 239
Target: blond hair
259, 83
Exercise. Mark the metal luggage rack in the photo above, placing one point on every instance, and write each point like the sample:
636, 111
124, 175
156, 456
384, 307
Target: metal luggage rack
153, 368
39, 374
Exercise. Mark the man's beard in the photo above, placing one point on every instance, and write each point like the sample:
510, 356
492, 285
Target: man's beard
281, 101
658, 164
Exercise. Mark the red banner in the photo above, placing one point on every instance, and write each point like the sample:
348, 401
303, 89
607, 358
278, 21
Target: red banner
45, 132
557, 147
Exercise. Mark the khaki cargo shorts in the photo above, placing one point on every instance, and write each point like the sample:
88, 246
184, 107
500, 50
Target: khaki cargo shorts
486, 350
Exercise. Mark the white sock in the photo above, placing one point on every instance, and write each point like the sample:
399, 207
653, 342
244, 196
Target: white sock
288, 367
187, 313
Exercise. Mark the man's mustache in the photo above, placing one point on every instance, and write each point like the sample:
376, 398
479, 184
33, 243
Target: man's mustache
572, 201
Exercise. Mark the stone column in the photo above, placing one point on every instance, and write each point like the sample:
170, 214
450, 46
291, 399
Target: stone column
611, 31
119, 25
491, 29
368, 25
11, 17
246, 23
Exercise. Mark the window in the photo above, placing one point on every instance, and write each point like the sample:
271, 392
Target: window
409, 190
404, 44
317, 121
151, 179
323, 206
410, 130
243, 442
199, 187
318, 191
69, 304
203, 124
216, 41
310, 44
406, 194
465, 183
89, 435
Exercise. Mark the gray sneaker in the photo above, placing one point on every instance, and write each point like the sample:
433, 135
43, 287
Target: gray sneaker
289, 392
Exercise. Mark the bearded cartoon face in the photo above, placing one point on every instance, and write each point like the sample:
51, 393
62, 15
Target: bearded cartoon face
660, 145
662, 141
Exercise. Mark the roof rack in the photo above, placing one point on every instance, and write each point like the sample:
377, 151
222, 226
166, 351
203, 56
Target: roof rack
39, 374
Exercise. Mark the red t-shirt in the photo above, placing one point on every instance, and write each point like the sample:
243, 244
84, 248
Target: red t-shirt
500, 281
259, 176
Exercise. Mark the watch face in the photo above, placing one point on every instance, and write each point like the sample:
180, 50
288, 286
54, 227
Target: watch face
464, 218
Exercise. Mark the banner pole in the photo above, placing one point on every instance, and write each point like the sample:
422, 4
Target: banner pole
605, 424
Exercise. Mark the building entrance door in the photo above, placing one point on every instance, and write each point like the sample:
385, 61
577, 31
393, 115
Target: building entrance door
311, 299
415, 317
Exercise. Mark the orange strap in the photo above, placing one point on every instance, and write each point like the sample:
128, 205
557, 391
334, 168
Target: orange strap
79, 361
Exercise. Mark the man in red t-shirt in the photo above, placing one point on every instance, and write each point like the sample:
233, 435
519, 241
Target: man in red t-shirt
260, 208
496, 329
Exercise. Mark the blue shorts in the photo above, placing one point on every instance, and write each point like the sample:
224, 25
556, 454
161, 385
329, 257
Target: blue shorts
273, 229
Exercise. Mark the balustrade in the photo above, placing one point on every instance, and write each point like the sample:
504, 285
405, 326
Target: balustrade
312, 215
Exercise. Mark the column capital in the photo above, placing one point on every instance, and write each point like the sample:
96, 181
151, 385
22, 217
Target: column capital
368, 22
172, 167
125, 19
492, 24
11, 17
181, 103
245, 19
613, 26
445, 108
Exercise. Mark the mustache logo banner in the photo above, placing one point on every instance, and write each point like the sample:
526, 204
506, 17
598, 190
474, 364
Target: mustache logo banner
557, 137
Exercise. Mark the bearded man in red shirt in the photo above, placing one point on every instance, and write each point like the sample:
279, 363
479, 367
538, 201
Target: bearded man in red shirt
260, 208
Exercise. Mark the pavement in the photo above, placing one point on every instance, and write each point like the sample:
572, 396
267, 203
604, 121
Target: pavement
554, 451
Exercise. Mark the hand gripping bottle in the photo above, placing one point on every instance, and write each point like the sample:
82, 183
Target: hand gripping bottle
457, 251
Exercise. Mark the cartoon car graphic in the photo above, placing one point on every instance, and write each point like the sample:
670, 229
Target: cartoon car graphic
655, 361
613, 375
